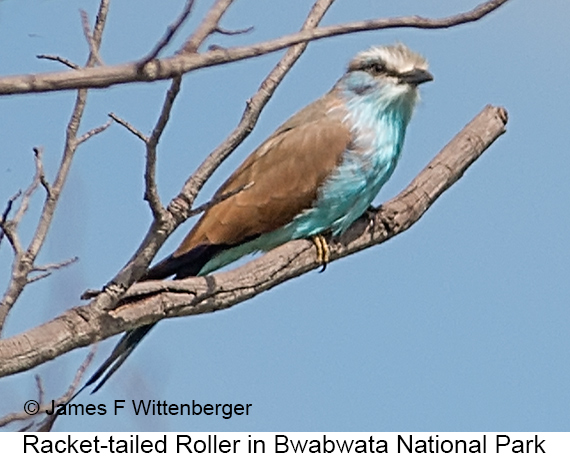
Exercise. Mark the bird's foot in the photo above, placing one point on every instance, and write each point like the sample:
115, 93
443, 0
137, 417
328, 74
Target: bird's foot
323, 252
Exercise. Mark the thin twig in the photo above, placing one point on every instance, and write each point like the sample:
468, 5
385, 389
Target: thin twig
55, 266
223, 31
42, 406
219, 199
59, 59
25, 201
49, 268
169, 99
38, 277
93, 132
38, 152
206, 27
8, 230
78, 375
93, 45
13, 238
10, 227
170, 32
6, 212
40, 387
9, 205
129, 127
151, 191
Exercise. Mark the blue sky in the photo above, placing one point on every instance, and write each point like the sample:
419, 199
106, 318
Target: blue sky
459, 324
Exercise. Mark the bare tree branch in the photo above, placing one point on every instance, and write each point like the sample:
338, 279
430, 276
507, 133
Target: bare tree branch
129, 127
42, 407
92, 293
207, 27
66, 62
40, 387
93, 45
37, 277
38, 153
9, 205
31, 188
24, 262
55, 266
87, 324
163, 223
10, 227
223, 31
170, 32
94, 131
189, 60
151, 191
6, 213
49, 268
218, 199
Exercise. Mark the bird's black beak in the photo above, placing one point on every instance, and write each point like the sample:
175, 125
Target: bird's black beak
416, 76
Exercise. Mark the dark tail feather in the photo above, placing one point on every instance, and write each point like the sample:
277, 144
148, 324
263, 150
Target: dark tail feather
122, 350
184, 265
188, 264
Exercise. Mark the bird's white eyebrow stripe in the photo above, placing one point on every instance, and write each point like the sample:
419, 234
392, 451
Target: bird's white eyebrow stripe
396, 58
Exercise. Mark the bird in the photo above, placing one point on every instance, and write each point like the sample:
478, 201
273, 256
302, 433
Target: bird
316, 174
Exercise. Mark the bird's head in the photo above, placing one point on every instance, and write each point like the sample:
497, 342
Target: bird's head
390, 72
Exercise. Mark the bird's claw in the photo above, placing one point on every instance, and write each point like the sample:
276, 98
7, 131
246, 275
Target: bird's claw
323, 252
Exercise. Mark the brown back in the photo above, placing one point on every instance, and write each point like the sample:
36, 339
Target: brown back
285, 171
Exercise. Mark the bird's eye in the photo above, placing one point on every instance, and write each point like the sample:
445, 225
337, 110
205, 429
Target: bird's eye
378, 67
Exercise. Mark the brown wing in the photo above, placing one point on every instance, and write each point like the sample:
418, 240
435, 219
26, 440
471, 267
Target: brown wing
285, 173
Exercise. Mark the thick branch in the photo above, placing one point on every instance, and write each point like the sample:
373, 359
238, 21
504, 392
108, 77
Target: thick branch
85, 325
185, 62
